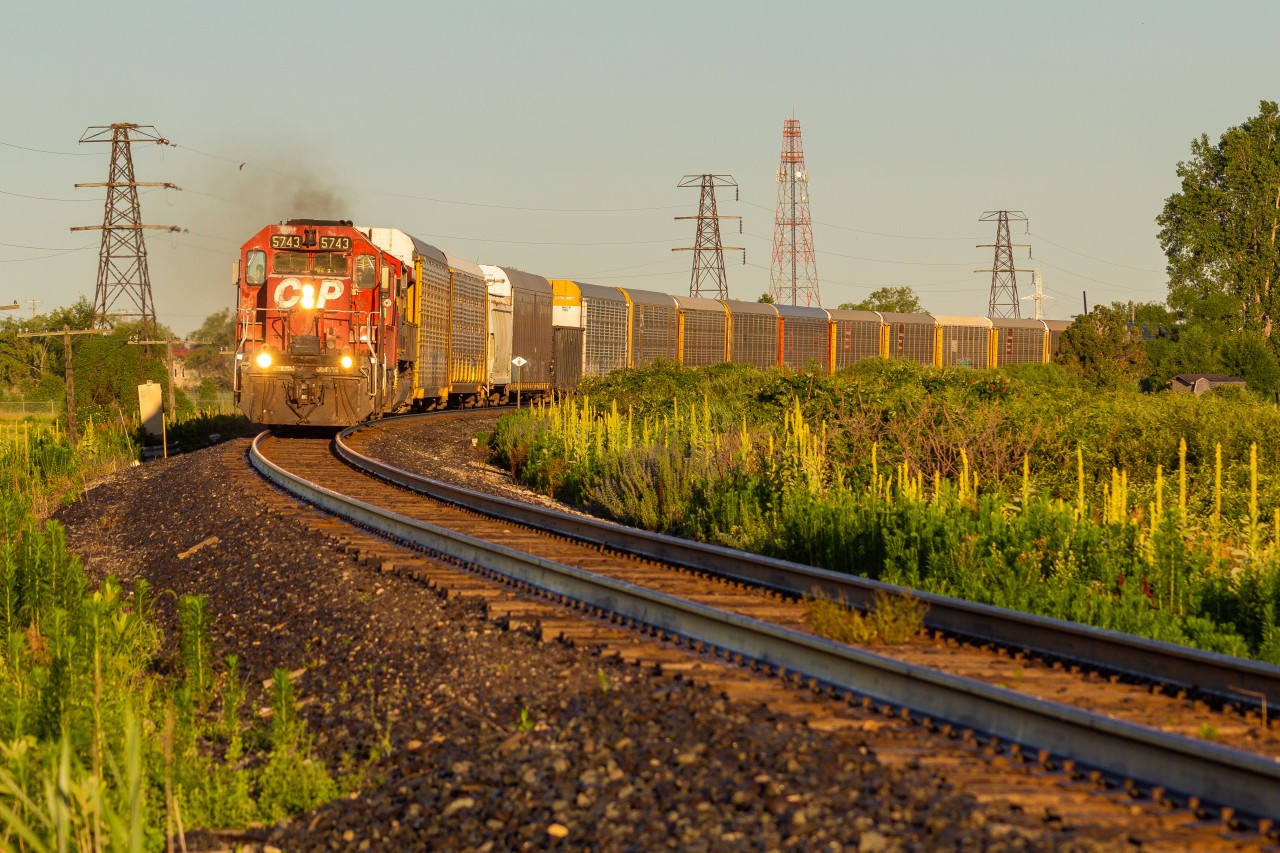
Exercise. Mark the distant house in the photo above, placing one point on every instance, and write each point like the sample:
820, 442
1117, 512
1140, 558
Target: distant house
1198, 383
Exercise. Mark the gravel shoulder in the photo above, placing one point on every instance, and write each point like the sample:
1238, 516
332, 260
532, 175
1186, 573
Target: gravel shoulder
488, 739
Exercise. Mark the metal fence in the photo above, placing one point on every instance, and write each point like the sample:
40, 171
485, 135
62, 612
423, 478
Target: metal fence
28, 408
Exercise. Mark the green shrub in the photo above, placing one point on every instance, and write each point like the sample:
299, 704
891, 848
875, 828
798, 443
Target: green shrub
1024, 488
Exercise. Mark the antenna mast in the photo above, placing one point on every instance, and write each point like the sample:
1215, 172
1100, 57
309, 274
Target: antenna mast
122, 257
793, 274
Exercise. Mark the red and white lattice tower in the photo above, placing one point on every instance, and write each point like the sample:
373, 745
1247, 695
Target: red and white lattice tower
793, 277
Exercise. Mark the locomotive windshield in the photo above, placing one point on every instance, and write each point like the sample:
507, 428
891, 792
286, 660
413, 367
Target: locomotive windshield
289, 262
329, 263
321, 263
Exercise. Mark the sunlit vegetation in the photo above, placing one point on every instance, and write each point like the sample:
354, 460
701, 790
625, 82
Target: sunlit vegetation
1155, 514
98, 748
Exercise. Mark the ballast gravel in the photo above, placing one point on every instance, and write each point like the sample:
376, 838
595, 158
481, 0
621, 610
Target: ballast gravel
475, 738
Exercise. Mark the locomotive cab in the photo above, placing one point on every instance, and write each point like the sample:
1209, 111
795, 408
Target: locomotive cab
320, 326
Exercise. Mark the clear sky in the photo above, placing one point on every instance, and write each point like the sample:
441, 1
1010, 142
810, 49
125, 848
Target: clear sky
551, 136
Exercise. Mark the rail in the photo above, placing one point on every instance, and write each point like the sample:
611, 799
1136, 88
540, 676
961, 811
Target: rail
1213, 773
1229, 679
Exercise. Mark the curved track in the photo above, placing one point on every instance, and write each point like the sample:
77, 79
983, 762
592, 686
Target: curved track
748, 626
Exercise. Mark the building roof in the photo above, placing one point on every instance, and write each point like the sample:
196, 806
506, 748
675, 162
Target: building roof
1216, 378
1198, 383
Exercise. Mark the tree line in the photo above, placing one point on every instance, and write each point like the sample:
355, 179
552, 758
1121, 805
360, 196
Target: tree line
108, 368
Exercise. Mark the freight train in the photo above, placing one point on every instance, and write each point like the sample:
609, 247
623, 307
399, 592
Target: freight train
337, 324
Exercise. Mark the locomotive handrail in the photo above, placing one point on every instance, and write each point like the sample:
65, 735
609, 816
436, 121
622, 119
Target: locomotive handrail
1215, 773
1230, 679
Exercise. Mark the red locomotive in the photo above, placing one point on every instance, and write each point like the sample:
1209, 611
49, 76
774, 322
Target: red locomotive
324, 326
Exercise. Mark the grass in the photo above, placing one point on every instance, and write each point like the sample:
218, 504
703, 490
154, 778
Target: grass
1157, 515
100, 749
892, 619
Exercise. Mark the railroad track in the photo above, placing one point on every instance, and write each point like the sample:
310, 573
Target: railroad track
739, 621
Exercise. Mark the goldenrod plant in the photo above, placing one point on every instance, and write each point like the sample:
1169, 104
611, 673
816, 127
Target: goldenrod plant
1041, 496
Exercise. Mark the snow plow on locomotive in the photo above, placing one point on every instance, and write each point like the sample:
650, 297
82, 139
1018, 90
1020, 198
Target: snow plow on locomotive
323, 332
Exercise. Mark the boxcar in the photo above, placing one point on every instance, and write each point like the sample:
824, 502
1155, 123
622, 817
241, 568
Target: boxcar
908, 336
806, 337
566, 335
962, 341
498, 351
468, 335
753, 333
1018, 341
531, 329
653, 319
855, 335
1056, 328
431, 309
703, 331
519, 326
603, 320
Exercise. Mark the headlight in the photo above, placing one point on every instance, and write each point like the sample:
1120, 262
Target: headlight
346, 361
263, 359
308, 296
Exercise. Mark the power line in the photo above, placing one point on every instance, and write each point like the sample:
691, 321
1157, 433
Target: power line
516, 207
536, 242
875, 260
243, 163
635, 267
1100, 281
45, 151
45, 198
864, 231
43, 257
45, 248
1092, 258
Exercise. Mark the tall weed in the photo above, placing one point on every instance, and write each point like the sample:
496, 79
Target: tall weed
1023, 489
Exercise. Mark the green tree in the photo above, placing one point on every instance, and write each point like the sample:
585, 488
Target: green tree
1246, 354
212, 359
1103, 347
766, 299
1220, 231
895, 300
218, 329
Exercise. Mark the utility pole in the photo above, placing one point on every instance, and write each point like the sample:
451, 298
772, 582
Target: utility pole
72, 432
1004, 278
708, 276
33, 303
793, 274
122, 257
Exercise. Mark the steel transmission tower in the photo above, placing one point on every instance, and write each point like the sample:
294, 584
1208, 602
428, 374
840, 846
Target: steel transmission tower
793, 275
1004, 278
708, 278
122, 258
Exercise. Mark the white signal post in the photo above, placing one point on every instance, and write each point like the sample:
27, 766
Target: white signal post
519, 361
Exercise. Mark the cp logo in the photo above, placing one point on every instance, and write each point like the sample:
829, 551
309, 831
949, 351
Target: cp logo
291, 292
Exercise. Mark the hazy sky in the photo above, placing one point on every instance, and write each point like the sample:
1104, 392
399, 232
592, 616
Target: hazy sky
551, 136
